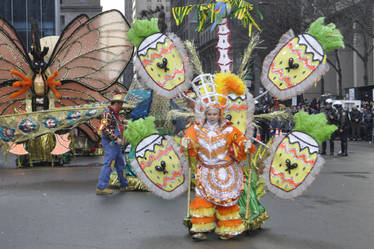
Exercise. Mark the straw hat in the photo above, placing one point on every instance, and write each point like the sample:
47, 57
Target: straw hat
118, 97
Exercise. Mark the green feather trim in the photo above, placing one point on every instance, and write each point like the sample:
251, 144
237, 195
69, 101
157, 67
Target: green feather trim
329, 37
140, 29
314, 125
139, 129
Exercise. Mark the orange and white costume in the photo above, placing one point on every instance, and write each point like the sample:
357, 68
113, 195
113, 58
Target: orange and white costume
219, 179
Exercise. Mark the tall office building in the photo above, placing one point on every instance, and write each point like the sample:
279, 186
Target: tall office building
69, 9
19, 13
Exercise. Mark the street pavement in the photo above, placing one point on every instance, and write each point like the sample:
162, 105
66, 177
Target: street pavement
42, 208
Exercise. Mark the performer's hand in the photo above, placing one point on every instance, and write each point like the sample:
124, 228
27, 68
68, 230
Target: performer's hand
124, 122
247, 146
119, 141
185, 142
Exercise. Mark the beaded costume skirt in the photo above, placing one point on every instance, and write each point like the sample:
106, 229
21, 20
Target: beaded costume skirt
221, 185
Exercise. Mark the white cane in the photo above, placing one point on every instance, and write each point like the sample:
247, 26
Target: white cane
187, 222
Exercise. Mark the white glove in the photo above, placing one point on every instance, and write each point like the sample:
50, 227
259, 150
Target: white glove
185, 142
247, 145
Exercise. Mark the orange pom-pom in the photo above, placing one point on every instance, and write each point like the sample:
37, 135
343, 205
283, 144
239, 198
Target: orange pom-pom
227, 83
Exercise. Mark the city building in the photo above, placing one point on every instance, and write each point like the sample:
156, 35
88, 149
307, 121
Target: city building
69, 9
19, 13
145, 5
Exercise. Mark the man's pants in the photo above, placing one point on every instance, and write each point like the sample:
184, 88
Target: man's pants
112, 153
324, 145
355, 130
344, 142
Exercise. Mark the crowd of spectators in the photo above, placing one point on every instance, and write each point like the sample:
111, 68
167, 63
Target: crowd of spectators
360, 120
354, 123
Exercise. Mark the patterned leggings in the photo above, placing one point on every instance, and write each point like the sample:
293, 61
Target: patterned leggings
207, 216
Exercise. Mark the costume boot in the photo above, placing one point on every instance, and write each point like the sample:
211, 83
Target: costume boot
105, 191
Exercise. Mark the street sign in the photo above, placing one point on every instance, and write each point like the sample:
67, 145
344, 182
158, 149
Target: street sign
351, 93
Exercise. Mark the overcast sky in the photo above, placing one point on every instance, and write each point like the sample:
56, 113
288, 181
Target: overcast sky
113, 4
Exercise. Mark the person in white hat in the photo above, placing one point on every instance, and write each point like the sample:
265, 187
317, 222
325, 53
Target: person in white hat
112, 141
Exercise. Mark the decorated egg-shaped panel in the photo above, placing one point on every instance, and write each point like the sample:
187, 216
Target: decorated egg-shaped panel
163, 65
160, 167
240, 112
293, 66
293, 166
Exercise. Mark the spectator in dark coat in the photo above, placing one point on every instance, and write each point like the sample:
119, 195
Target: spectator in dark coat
355, 122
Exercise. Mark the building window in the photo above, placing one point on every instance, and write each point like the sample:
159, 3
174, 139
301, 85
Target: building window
62, 21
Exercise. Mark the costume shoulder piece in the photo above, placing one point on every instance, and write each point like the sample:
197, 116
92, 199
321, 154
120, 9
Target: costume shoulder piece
295, 161
298, 62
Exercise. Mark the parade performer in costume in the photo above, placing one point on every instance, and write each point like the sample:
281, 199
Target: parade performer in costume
112, 140
218, 146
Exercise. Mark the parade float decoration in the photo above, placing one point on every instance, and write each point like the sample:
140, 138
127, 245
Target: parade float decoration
81, 66
217, 15
295, 160
157, 163
298, 62
161, 61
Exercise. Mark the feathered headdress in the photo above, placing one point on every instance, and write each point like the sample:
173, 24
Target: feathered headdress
227, 83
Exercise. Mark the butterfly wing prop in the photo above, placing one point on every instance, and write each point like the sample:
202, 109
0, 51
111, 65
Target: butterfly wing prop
95, 54
12, 57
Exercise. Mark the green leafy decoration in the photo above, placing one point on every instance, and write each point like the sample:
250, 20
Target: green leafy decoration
139, 129
314, 125
140, 29
328, 35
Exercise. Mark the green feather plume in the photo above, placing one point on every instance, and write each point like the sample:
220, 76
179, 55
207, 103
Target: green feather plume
329, 37
140, 29
314, 125
139, 129
194, 57
253, 43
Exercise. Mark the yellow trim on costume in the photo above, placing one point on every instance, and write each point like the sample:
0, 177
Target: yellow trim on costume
222, 230
324, 59
201, 228
230, 216
203, 212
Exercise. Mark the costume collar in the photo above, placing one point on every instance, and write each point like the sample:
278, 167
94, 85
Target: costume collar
217, 128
